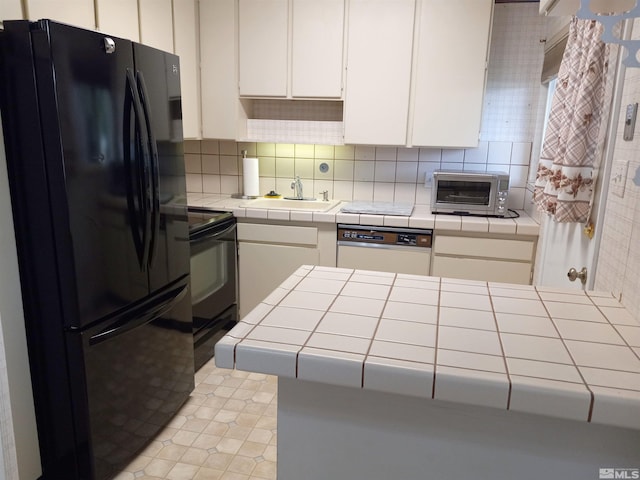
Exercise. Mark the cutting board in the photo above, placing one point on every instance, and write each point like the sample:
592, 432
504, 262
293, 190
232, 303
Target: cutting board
379, 208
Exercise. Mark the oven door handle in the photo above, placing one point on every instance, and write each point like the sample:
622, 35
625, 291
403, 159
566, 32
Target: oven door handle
211, 234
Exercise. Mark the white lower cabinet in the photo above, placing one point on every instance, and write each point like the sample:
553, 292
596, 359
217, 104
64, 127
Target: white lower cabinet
268, 254
508, 260
263, 267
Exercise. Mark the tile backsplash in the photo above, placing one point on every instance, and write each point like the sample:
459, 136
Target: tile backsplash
355, 172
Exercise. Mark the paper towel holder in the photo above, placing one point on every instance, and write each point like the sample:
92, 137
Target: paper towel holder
242, 195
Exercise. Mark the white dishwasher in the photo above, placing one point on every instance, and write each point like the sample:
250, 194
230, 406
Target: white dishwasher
385, 249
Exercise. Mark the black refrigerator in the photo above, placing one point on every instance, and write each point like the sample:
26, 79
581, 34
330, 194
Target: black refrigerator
94, 148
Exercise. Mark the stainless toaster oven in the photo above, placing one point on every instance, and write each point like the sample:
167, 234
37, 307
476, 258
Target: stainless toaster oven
470, 193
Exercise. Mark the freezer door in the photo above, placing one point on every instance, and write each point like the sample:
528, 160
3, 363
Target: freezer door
139, 371
93, 134
158, 81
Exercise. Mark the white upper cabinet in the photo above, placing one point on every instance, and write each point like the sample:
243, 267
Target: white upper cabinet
156, 24
79, 13
291, 48
185, 34
218, 69
263, 29
380, 39
450, 60
10, 10
118, 18
317, 46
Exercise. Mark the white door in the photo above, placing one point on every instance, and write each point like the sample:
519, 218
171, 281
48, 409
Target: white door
564, 245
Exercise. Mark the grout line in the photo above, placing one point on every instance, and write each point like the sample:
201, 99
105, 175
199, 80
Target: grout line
435, 353
614, 326
586, 384
327, 310
375, 330
504, 355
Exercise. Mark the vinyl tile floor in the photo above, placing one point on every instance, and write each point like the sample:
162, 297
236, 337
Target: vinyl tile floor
225, 431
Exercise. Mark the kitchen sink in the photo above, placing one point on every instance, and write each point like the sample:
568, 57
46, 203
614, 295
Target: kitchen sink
311, 204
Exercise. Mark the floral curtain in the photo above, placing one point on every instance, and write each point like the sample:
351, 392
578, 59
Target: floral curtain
577, 121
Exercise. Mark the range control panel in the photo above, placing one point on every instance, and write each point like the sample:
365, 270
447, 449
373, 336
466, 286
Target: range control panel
385, 236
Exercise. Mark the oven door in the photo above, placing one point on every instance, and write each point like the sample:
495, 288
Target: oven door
213, 275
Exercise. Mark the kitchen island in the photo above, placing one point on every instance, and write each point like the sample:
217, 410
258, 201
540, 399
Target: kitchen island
400, 376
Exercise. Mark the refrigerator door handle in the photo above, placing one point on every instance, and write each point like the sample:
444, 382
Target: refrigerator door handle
154, 168
140, 316
136, 181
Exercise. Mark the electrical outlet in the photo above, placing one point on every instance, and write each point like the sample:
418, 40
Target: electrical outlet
619, 178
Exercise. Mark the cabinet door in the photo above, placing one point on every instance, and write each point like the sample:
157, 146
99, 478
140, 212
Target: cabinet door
11, 10
317, 46
79, 13
450, 81
380, 39
263, 267
156, 24
480, 269
412, 261
185, 35
218, 70
263, 32
118, 18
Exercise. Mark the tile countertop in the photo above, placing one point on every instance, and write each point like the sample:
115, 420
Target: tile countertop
420, 218
569, 354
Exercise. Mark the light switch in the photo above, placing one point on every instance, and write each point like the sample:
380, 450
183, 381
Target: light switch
619, 178
630, 121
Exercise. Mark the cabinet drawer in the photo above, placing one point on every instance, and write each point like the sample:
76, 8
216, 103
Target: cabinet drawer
483, 247
484, 270
277, 234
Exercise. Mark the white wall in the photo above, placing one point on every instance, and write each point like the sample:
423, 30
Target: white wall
619, 256
20, 457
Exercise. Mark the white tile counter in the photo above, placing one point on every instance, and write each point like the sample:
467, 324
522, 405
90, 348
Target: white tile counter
420, 218
570, 354
399, 376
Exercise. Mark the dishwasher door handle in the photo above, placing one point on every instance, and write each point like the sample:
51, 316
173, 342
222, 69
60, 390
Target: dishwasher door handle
388, 246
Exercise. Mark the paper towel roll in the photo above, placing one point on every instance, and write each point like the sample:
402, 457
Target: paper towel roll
250, 179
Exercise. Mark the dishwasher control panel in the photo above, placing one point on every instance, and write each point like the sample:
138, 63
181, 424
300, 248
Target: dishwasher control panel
385, 235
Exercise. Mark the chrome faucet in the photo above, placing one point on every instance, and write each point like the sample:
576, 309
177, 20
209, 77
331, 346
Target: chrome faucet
297, 187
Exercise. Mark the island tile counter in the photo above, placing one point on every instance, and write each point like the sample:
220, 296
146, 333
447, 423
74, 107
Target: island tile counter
554, 363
